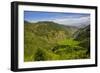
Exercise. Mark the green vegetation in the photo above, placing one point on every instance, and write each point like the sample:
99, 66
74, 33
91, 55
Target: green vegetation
51, 41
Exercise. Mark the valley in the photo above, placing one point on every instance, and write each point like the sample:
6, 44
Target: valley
46, 41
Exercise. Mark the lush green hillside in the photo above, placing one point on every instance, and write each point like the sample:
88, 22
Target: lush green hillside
83, 35
51, 41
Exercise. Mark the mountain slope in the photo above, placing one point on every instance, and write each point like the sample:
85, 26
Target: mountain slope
83, 35
51, 41
50, 29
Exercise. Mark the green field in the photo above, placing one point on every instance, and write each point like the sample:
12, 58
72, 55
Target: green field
51, 41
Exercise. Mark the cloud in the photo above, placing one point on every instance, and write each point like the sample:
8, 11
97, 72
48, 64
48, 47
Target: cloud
74, 20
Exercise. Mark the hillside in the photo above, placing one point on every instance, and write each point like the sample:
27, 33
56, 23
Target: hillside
83, 35
52, 41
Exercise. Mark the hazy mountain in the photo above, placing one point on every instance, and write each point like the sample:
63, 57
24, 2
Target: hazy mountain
82, 33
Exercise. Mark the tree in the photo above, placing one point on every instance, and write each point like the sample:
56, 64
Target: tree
39, 55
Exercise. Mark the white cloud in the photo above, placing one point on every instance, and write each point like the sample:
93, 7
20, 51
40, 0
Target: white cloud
73, 21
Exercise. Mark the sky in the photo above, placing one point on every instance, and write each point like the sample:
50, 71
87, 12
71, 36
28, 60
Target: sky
58, 17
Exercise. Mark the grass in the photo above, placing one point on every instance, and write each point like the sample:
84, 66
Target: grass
70, 50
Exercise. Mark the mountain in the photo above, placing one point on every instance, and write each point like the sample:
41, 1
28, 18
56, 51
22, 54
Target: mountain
82, 25
47, 40
26, 22
83, 35
46, 28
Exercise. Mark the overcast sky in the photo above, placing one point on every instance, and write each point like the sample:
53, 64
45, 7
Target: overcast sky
58, 17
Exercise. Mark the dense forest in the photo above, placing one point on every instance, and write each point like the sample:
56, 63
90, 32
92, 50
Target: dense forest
47, 40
